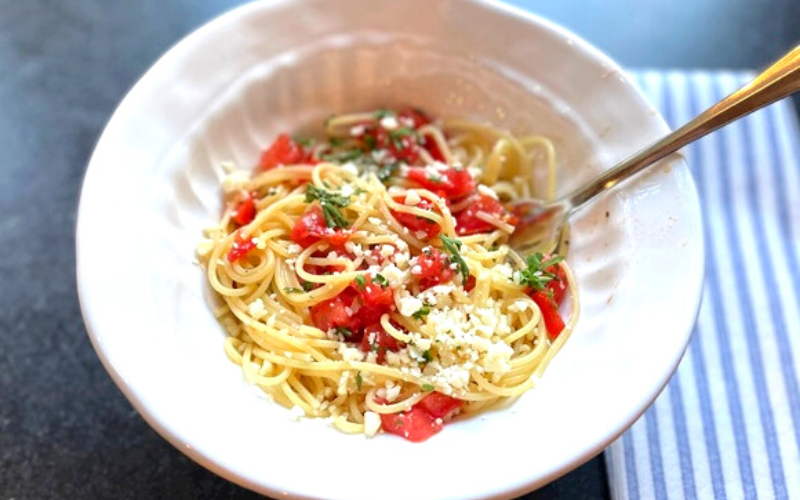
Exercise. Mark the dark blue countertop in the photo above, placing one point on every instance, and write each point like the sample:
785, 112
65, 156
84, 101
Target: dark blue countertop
65, 429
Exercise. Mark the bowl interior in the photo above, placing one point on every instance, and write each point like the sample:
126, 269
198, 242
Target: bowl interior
266, 68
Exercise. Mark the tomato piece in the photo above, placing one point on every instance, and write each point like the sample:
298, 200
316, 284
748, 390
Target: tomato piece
414, 223
439, 405
550, 314
310, 228
376, 339
454, 183
434, 268
433, 149
245, 212
413, 118
416, 424
335, 313
467, 221
241, 247
559, 284
470, 284
375, 295
284, 151
401, 147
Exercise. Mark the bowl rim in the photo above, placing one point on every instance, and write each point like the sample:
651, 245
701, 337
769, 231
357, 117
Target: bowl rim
177, 437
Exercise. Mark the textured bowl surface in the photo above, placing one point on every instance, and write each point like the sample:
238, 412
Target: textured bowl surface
222, 93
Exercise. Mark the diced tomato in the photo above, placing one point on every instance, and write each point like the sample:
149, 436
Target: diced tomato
470, 284
336, 313
415, 116
558, 285
439, 405
375, 295
467, 221
245, 212
434, 268
241, 247
376, 339
433, 149
454, 183
550, 314
284, 151
414, 223
415, 424
401, 147
310, 228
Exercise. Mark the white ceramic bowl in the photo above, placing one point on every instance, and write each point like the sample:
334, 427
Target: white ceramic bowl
227, 89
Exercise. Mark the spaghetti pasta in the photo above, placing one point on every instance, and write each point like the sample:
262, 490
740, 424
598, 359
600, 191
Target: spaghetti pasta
366, 279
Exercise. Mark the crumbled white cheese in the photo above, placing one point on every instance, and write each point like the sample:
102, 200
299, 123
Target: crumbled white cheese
412, 198
393, 274
372, 423
497, 358
347, 190
518, 306
354, 248
350, 354
409, 305
401, 260
375, 221
294, 249
392, 392
387, 250
389, 122
417, 269
257, 309
357, 130
350, 168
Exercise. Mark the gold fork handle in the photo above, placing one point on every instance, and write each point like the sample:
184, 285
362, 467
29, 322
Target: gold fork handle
776, 82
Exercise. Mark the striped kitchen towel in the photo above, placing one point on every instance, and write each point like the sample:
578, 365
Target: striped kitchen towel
728, 424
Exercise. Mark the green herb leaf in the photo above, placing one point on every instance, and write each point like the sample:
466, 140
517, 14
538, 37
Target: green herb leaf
359, 380
291, 289
308, 286
534, 275
423, 311
453, 246
427, 387
427, 356
336, 141
379, 279
386, 171
330, 202
304, 141
361, 281
344, 332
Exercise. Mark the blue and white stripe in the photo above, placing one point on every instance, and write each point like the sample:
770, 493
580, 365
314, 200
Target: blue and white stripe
728, 424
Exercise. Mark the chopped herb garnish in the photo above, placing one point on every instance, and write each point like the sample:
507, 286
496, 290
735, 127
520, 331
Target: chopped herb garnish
494, 248
453, 246
359, 380
291, 289
336, 141
427, 387
308, 286
396, 136
361, 282
535, 275
386, 171
379, 279
370, 142
427, 356
304, 141
422, 311
330, 202
344, 332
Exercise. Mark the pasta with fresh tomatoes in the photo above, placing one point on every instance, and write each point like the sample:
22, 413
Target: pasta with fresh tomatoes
366, 278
